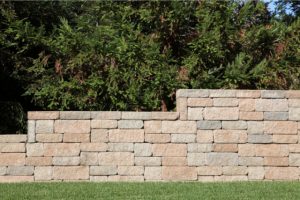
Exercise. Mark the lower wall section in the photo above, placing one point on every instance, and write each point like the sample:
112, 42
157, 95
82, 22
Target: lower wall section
225, 135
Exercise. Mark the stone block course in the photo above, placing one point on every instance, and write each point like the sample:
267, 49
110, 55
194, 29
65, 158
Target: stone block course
221, 113
130, 124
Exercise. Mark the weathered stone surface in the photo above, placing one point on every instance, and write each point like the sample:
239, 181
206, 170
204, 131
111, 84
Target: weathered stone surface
165, 115
225, 102
196, 159
12, 159
13, 138
183, 138
271, 150
116, 158
126, 178
276, 116
195, 114
276, 161
225, 148
61, 149
75, 115
48, 138
66, 161
254, 116
248, 93
157, 138
93, 147
292, 94
221, 113
272, 94
126, 135
137, 115
34, 115
294, 159
247, 105
282, 173
104, 123
256, 173
174, 161
152, 173
199, 102
42, 173
179, 127
209, 125
205, 136
246, 149
12, 147
98, 178
285, 139
38, 161
222, 159
294, 148
120, 147
181, 107
274, 105
72, 126
235, 170
280, 127
44, 126
230, 136
294, 103
251, 161
234, 125
209, 170
294, 114
99, 135
169, 149
103, 170
31, 131
35, 149
78, 137
106, 115
193, 93
143, 149
130, 170
222, 93
206, 178
199, 148
88, 158
179, 173
15, 179
71, 173
20, 170
147, 161
255, 127
231, 178
130, 124
260, 139
152, 126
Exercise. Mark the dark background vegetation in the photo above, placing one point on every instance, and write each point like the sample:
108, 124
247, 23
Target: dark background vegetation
86, 55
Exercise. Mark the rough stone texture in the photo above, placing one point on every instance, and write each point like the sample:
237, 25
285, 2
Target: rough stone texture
36, 149
247, 105
157, 138
96, 147
38, 161
34, 115
199, 102
66, 161
294, 159
72, 126
285, 139
273, 105
256, 173
179, 127
280, 127
276, 116
251, 161
199, 148
75, 115
231, 178
169, 149
103, 170
12, 147
195, 114
222, 93
31, 131
61, 149
88, 158
221, 113
142, 149
78, 137
225, 148
276, 161
71, 173
106, 115
209, 125
13, 138
104, 123
248, 93
255, 127
99, 135
222, 159
12, 159
153, 173
179, 173
205, 136
20, 170
130, 170
246, 149
193, 93
44, 126
165, 115
196, 159
152, 126
235, 170
43, 173
234, 125
147, 161
126, 135
174, 161
294, 103
183, 138
260, 139
116, 158
181, 107
14, 179
294, 114
230, 136
272, 94
48, 138
120, 147
282, 173
209, 170
251, 116
225, 102
137, 115
130, 124
271, 150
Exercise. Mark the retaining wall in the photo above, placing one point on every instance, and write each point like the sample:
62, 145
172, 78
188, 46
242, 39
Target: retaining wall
215, 135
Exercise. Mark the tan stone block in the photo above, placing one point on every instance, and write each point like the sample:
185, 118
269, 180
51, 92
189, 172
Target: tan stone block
93, 147
75, 114
225, 148
157, 138
120, 147
196, 159
294, 103
222, 93
130, 170
280, 127
89, 158
98, 178
294, 159
193, 93
137, 115
72, 126
78, 137
104, 124
15, 179
183, 138
103, 170
130, 124
294, 148
271, 105
248, 93
152, 126
12, 147
251, 116
126, 135
147, 161
142, 149
282, 173
222, 159
99, 135
205, 136
294, 114
256, 173
209, 170
179, 173
247, 104
116, 158
271, 150
285, 139
106, 115
255, 127
199, 148
31, 131
272, 94
35, 149
44, 126
179, 127
43, 173
13, 138
195, 113
246, 149
43, 115
206, 178
20, 170
199, 102
165, 115
66, 161
169, 149
12, 159
231, 178
292, 94
221, 113
230, 136
234, 125
71, 173
235, 170
48, 138
181, 107
126, 178
276, 161
225, 102
38, 161
251, 161
152, 173
174, 161
61, 149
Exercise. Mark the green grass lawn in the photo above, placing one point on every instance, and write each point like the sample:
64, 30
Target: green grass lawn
228, 191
